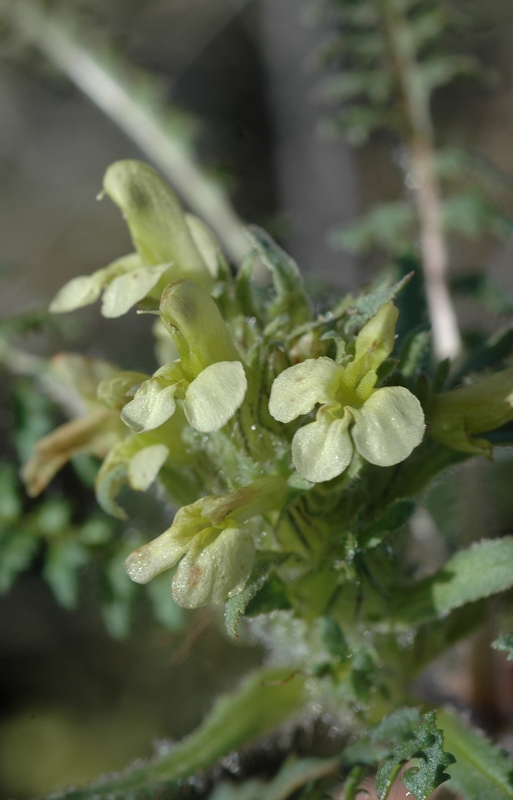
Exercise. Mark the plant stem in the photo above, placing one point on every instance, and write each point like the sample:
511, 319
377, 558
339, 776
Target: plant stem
117, 99
423, 181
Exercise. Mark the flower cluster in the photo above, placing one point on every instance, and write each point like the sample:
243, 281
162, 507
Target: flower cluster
216, 421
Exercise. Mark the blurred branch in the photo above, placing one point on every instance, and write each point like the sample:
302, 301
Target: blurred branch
423, 181
146, 126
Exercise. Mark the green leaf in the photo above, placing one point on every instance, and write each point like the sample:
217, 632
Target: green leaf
264, 701
483, 289
415, 352
368, 304
248, 294
426, 744
291, 299
293, 775
64, 560
482, 570
387, 226
505, 642
116, 616
334, 639
495, 352
17, 550
10, 501
377, 744
376, 86
440, 70
482, 771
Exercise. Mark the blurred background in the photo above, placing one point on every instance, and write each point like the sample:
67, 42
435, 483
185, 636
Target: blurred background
234, 86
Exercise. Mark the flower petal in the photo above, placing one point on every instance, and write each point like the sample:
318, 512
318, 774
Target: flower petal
215, 395
128, 289
323, 449
153, 558
145, 465
95, 433
297, 389
153, 403
388, 426
215, 572
155, 218
76, 293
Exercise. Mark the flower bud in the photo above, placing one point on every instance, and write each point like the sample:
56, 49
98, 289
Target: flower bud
455, 417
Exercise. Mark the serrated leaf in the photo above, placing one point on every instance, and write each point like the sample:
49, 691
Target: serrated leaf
482, 771
367, 305
264, 701
426, 744
482, 570
376, 744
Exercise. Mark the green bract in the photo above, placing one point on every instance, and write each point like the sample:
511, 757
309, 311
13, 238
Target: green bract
383, 425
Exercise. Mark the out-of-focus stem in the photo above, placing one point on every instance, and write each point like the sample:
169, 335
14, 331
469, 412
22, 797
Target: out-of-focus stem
423, 181
117, 101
